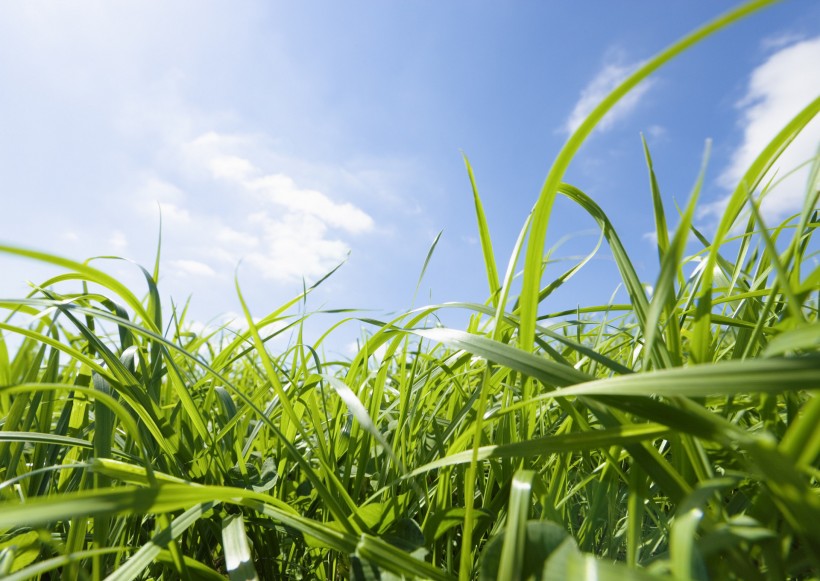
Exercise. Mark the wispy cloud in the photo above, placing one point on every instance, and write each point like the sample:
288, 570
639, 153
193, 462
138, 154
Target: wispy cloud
283, 231
117, 242
777, 90
191, 268
778, 41
599, 87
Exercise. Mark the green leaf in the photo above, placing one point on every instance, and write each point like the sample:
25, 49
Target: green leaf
542, 538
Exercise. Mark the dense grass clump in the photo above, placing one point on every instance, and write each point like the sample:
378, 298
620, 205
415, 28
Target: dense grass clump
673, 436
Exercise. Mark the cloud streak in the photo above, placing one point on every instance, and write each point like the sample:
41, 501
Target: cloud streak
609, 77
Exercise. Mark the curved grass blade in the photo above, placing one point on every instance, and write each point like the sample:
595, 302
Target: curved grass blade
663, 299
91, 275
701, 333
484, 236
426, 263
543, 207
571, 442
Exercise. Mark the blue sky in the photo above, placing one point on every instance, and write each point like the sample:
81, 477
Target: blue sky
286, 134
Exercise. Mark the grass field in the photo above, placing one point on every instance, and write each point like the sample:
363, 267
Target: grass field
674, 436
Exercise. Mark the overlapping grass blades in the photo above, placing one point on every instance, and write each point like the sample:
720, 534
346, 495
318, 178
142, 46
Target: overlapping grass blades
671, 437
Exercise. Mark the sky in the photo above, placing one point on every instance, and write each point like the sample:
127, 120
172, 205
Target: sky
279, 139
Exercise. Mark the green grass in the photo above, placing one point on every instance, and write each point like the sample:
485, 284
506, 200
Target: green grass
671, 437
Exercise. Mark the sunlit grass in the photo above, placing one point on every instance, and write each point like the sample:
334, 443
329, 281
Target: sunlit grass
671, 436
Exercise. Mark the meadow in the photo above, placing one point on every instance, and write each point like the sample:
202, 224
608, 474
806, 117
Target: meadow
672, 436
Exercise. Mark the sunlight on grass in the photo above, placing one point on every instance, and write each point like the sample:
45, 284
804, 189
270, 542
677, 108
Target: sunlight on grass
674, 436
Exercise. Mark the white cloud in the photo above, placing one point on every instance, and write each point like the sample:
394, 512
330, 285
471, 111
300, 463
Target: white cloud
282, 231
599, 87
281, 190
293, 246
652, 237
117, 241
159, 190
235, 239
780, 40
173, 215
231, 167
225, 157
777, 90
657, 132
191, 268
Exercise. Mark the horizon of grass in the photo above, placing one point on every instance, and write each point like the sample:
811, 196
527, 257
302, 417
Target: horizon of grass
671, 437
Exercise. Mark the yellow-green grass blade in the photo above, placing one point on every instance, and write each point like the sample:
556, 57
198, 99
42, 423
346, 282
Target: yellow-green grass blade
543, 208
663, 298
195, 569
701, 333
775, 375
546, 371
509, 275
661, 230
138, 562
166, 498
512, 552
792, 304
44, 439
802, 339
88, 274
484, 237
512, 321
396, 560
571, 442
128, 422
632, 284
427, 260
808, 215
363, 417
238, 559
37, 570
801, 442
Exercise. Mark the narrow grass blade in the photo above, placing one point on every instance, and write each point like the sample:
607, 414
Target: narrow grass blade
663, 299
572, 442
138, 562
723, 378
515, 535
543, 208
484, 237
701, 333
661, 230
238, 560
426, 263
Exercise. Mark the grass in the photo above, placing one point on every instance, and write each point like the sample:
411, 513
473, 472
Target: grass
672, 437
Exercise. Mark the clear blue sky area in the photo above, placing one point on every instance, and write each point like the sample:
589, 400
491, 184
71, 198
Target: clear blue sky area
285, 134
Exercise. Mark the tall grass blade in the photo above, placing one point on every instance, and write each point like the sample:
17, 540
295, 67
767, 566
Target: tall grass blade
484, 237
543, 207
